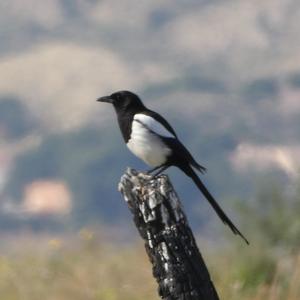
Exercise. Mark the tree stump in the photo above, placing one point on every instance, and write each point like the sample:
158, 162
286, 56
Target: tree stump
178, 266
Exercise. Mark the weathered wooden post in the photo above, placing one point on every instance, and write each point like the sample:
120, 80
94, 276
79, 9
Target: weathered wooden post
178, 266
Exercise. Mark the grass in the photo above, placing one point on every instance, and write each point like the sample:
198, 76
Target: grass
88, 267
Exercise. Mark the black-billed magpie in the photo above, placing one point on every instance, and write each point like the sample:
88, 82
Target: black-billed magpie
151, 138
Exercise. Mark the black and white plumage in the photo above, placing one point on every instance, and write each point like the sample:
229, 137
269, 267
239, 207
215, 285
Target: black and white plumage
151, 138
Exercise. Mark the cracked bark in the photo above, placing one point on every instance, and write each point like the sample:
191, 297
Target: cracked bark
178, 266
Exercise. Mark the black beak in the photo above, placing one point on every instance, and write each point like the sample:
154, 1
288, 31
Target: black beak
106, 99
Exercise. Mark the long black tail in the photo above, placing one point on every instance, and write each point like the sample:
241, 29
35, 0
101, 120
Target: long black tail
191, 173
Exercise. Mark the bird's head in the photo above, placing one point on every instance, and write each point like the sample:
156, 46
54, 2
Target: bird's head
123, 100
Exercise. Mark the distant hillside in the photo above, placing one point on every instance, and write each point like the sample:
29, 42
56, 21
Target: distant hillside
225, 73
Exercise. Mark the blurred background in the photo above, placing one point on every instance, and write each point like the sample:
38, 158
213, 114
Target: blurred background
226, 74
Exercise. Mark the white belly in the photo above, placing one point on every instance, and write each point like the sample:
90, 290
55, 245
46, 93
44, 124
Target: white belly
147, 146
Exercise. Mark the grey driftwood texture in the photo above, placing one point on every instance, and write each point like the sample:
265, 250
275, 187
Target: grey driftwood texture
178, 266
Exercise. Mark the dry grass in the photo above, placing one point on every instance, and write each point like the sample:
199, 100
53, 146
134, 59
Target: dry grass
87, 267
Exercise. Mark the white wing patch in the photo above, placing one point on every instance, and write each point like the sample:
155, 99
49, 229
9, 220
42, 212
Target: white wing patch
153, 125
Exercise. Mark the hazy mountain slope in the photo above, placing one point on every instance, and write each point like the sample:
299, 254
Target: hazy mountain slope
225, 73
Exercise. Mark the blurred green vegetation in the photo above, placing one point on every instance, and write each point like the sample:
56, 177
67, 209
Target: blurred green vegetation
270, 267
273, 214
80, 268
